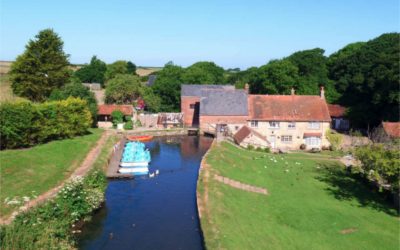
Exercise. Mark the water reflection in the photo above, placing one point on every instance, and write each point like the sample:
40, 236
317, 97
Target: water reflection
157, 213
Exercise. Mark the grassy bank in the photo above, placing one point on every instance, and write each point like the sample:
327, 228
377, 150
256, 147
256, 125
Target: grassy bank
54, 224
26, 173
312, 204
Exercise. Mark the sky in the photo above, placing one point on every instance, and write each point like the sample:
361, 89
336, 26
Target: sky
231, 33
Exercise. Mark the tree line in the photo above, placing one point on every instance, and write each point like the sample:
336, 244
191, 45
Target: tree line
362, 76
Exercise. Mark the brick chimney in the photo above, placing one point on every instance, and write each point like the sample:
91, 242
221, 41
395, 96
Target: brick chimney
246, 87
292, 91
322, 92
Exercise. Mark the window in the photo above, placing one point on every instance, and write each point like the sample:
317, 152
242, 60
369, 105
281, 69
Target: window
313, 141
254, 124
286, 138
273, 124
313, 125
291, 125
192, 106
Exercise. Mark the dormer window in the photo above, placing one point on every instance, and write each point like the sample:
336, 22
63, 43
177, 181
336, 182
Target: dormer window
254, 124
274, 125
291, 125
314, 125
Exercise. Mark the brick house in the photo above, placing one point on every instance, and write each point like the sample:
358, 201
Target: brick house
386, 132
283, 121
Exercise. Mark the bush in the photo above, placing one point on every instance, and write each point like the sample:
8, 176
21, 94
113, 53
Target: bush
25, 124
51, 225
303, 146
334, 139
117, 117
128, 125
380, 164
267, 150
250, 147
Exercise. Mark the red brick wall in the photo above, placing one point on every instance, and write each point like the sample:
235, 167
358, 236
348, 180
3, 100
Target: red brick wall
186, 110
205, 120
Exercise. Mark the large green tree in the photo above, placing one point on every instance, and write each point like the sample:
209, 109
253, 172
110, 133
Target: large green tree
204, 73
168, 87
41, 68
115, 68
123, 89
93, 72
368, 80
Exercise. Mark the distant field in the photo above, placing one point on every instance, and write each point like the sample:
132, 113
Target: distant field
6, 93
145, 71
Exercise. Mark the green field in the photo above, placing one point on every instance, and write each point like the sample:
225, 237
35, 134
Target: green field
312, 204
30, 172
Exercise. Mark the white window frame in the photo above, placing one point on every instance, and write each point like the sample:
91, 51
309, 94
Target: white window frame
291, 125
275, 125
286, 139
254, 123
313, 141
314, 125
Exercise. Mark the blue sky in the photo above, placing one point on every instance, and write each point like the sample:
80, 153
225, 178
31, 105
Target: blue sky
230, 33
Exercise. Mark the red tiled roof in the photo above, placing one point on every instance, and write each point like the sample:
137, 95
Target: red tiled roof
312, 134
392, 129
108, 109
288, 108
336, 110
244, 132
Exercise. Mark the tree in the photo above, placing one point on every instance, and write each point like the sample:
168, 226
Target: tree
151, 100
93, 72
279, 76
313, 73
76, 89
41, 68
168, 87
118, 67
123, 89
131, 68
203, 73
368, 80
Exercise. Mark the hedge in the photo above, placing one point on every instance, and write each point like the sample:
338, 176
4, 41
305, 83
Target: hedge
25, 124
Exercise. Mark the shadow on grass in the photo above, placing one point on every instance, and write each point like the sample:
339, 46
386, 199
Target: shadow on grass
346, 186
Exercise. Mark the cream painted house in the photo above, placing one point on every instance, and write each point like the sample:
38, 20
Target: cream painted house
288, 121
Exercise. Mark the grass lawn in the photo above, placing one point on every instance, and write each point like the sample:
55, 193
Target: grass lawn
33, 171
312, 204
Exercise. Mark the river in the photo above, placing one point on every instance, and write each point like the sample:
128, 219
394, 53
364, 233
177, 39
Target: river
153, 213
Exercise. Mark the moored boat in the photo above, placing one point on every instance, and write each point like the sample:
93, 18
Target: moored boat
133, 164
135, 171
140, 137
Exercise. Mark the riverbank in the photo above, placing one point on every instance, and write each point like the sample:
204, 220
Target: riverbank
311, 203
52, 224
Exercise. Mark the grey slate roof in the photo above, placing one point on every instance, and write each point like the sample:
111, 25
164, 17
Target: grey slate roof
223, 102
196, 89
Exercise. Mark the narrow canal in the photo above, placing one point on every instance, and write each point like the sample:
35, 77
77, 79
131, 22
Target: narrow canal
153, 213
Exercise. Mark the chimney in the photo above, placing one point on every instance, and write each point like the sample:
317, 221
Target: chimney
292, 92
246, 87
322, 92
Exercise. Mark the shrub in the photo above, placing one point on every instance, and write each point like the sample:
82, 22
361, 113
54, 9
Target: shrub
303, 146
250, 147
267, 150
380, 164
26, 124
117, 117
128, 125
50, 225
334, 139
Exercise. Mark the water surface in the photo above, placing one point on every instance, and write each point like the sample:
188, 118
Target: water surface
153, 213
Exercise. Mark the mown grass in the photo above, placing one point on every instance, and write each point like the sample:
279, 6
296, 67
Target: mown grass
33, 171
312, 204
